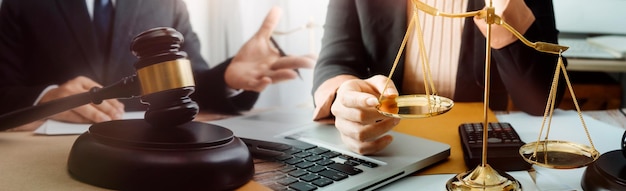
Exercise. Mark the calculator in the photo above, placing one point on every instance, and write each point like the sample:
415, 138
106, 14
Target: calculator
503, 145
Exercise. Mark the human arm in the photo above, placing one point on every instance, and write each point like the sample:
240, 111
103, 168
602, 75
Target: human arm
515, 13
346, 67
110, 109
28, 67
258, 63
523, 74
345, 56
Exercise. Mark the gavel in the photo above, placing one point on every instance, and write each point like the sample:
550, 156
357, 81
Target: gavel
165, 151
164, 80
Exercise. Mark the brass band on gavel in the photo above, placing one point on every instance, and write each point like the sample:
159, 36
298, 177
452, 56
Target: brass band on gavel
165, 76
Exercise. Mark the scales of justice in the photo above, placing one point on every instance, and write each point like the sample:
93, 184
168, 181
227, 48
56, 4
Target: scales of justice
546, 153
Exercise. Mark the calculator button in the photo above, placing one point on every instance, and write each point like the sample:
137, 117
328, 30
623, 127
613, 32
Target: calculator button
494, 140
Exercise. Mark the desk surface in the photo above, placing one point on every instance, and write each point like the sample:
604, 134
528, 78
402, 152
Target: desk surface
38, 162
444, 128
33, 162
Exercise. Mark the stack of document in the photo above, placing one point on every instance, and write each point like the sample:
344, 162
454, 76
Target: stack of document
614, 44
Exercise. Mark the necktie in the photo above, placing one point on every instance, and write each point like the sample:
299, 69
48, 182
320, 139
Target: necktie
103, 21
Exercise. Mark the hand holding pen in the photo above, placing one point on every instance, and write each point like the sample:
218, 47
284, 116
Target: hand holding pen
261, 62
282, 53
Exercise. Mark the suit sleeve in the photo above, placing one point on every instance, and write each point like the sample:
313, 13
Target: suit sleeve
14, 92
526, 74
361, 39
342, 50
342, 57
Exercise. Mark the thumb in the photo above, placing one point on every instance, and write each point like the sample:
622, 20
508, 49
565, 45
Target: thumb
270, 22
384, 85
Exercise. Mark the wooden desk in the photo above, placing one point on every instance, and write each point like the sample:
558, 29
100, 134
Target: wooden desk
444, 128
37, 162
32, 162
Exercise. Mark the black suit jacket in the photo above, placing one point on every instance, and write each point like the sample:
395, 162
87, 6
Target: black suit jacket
361, 38
44, 42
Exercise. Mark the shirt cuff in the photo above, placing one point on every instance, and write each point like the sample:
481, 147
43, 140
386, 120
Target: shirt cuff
324, 97
230, 92
514, 13
50, 87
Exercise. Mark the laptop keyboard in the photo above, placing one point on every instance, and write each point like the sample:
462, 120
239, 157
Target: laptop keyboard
301, 167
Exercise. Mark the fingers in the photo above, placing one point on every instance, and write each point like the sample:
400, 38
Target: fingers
258, 84
85, 83
362, 116
257, 76
247, 75
365, 132
357, 94
285, 68
362, 127
379, 82
270, 22
70, 116
366, 148
293, 62
112, 108
282, 75
90, 113
356, 101
98, 113
366, 139
93, 113
74, 86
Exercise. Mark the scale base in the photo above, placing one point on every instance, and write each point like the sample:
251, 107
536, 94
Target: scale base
134, 155
483, 178
608, 172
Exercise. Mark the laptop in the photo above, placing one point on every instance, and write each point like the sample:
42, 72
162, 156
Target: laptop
274, 136
583, 24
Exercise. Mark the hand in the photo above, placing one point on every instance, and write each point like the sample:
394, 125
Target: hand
515, 13
362, 127
259, 64
91, 113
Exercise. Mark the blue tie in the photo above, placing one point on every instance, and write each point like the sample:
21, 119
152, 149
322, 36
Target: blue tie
103, 21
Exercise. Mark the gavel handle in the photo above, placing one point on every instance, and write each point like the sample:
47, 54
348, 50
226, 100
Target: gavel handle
126, 88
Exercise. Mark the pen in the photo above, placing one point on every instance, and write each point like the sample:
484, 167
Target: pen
282, 53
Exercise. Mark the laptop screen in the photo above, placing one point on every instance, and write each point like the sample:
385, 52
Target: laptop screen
590, 17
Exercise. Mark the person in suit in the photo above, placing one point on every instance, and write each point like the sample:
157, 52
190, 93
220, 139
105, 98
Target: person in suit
50, 49
361, 40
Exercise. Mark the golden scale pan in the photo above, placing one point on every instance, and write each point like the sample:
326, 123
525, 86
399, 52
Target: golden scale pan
546, 153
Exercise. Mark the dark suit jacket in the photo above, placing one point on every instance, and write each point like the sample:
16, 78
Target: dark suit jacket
44, 42
361, 38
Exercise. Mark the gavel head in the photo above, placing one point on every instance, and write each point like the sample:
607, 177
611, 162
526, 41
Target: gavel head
165, 76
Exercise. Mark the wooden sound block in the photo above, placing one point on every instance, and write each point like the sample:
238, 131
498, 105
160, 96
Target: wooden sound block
134, 155
607, 173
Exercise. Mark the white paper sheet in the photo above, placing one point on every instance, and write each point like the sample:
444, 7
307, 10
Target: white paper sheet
565, 126
52, 127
